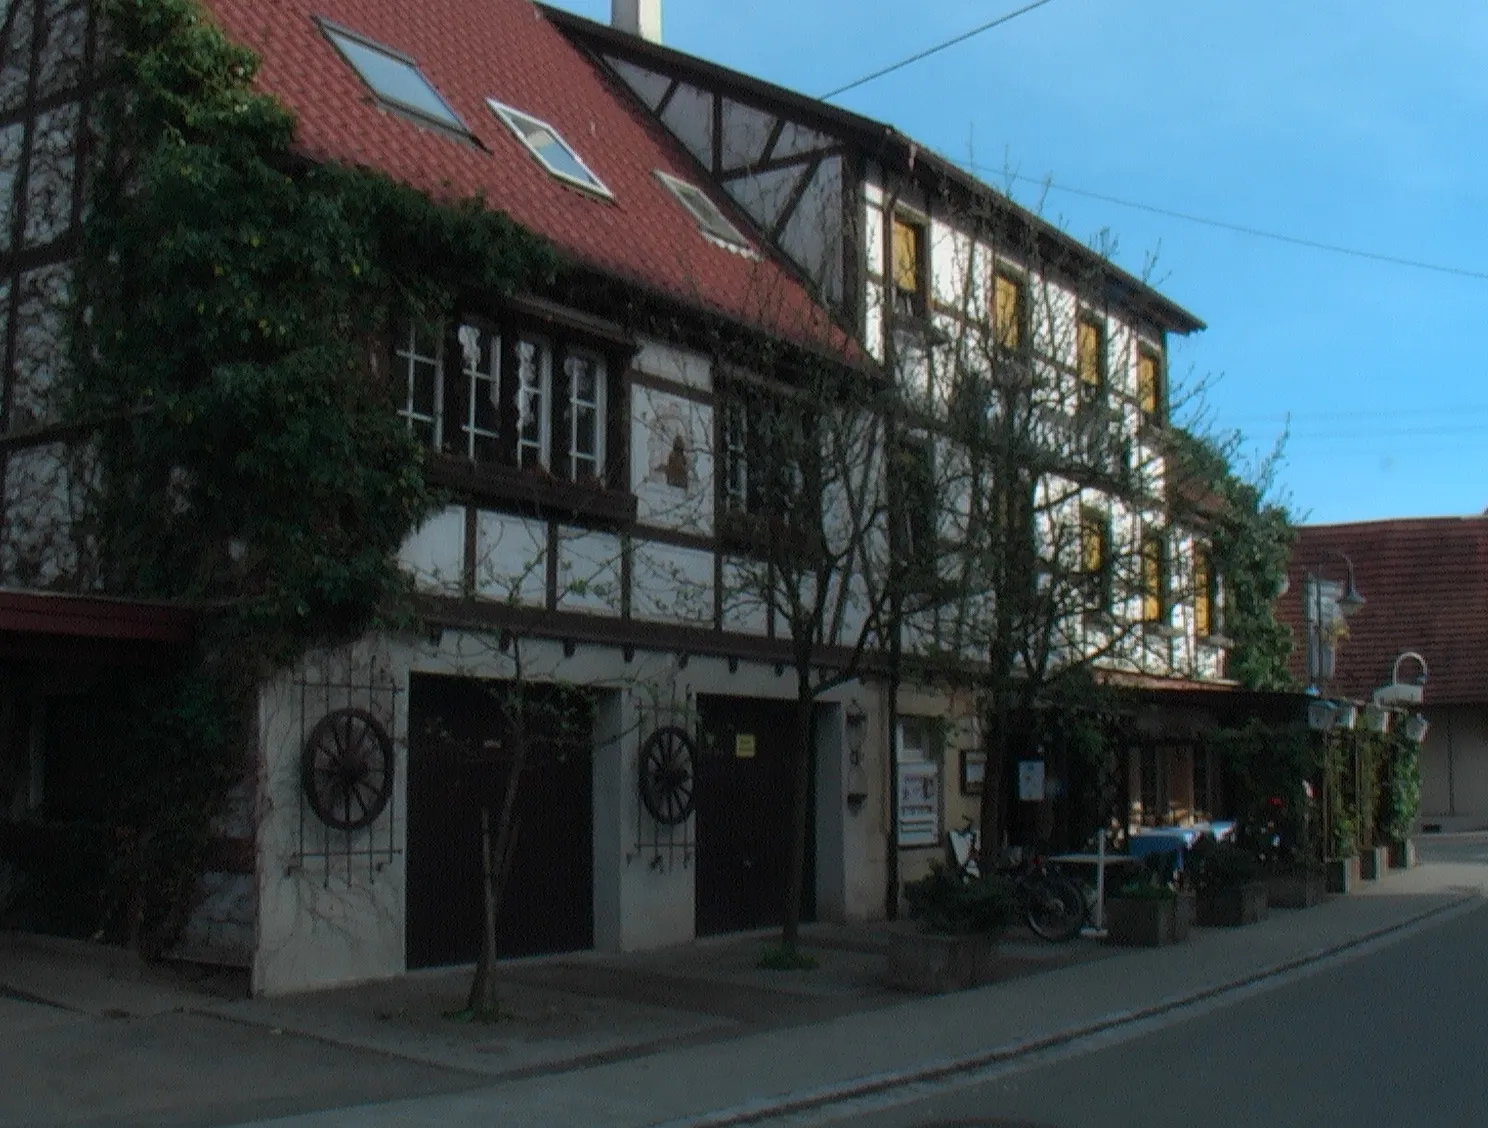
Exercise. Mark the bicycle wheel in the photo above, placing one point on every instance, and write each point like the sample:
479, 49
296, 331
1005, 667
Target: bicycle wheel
1054, 908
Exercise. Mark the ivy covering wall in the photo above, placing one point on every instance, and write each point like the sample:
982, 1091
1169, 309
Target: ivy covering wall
234, 304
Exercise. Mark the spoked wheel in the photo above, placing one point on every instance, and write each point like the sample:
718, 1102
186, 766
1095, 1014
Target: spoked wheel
1054, 908
668, 760
347, 769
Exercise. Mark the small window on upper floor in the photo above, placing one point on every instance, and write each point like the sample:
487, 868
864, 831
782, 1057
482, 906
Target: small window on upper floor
1149, 386
909, 269
708, 215
1154, 578
548, 146
1206, 593
1009, 311
393, 77
1091, 357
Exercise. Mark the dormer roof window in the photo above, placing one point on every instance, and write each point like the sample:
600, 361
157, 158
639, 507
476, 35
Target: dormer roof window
546, 144
709, 216
394, 77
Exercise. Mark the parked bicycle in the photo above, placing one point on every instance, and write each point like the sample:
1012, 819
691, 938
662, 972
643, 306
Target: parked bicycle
1053, 906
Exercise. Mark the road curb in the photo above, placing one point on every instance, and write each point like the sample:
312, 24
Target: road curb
874, 1083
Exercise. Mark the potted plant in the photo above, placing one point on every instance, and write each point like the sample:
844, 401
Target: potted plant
1345, 716
1227, 882
960, 921
1149, 910
1375, 718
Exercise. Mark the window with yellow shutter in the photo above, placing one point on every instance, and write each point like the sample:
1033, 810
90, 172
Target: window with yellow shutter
1204, 623
1154, 578
1095, 558
1009, 311
1090, 341
908, 266
1149, 386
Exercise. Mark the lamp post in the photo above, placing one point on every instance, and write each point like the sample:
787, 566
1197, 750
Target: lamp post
1326, 615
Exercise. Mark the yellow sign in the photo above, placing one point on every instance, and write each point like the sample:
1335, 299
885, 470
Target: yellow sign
744, 746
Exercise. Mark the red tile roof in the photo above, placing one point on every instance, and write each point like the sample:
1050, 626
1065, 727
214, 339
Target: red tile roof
472, 50
1425, 588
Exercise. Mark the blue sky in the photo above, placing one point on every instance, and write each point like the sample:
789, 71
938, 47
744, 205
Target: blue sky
1359, 125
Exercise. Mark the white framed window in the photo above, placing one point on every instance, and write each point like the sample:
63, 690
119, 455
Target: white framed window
419, 366
920, 783
393, 76
585, 372
708, 215
480, 351
533, 389
736, 457
506, 397
545, 143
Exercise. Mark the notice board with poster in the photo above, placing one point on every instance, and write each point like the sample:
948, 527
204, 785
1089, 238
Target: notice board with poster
919, 804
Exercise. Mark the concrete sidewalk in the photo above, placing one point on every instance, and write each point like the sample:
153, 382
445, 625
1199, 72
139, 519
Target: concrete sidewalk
670, 1036
794, 1067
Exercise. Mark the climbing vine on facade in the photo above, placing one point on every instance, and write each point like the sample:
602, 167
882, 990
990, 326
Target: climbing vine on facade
234, 303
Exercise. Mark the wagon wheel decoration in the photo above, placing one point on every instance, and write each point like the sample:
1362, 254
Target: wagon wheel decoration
347, 769
667, 760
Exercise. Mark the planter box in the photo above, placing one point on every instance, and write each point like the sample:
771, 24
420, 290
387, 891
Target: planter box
1185, 916
932, 964
1232, 908
1342, 874
1147, 922
1373, 863
1403, 854
1300, 890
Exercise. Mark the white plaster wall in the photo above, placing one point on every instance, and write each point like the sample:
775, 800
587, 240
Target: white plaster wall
511, 559
659, 420
1454, 762
672, 585
435, 554
321, 925
325, 921
745, 604
589, 571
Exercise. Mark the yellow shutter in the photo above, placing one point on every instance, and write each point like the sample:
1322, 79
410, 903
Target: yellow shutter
1152, 579
1092, 544
1090, 347
1007, 312
1203, 594
906, 253
1147, 381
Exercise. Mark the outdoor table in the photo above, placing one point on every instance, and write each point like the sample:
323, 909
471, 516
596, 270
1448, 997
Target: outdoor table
1102, 862
1175, 839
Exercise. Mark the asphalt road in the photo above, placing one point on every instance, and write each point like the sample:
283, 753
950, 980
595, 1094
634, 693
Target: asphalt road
1395, 1038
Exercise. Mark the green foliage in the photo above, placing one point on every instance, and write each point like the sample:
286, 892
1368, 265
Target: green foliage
238, 305
950, 905
1214, 865
1252, 545
783, 958
1272, 768
1153, 879
235, 304
1400, 789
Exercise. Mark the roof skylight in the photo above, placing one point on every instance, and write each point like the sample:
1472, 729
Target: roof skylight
708, 214
393, 77
549, 147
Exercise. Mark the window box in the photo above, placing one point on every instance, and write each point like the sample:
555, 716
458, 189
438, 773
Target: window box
534, 489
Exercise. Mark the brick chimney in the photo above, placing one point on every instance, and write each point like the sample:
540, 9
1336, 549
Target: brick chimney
639, 17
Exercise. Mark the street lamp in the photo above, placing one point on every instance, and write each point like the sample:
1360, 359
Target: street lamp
1327, 608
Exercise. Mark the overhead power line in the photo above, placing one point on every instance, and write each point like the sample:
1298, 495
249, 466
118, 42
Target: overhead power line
939, 47
1239, 228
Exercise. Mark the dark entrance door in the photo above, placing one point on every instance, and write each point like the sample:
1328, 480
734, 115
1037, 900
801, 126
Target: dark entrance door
459, 754
743, 804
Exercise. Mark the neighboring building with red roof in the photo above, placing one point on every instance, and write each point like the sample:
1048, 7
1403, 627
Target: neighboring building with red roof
1425, 587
